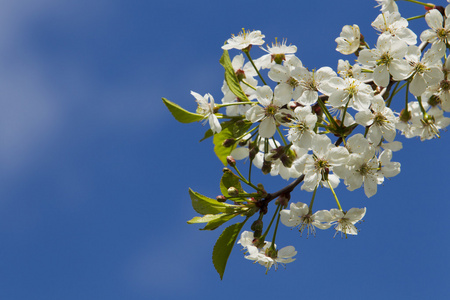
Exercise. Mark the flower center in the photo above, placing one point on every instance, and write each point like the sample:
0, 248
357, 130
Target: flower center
293, 82
442, 34
352, 90
271, 110
364, 169
420, 68
385, 59
379, 119
445, 85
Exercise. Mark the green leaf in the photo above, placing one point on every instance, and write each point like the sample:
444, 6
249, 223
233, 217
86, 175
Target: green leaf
213, 224
209, 133
180, 114
213, 221
230, 129
229, 179
204, 205
224, 245
231, 78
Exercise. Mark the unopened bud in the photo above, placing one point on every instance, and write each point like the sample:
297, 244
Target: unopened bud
261, 190
221, 198
283, 199
316, 109
276, 153
257, 225
228, 142
266, 167
242, 143
231, 161
441, 9
293, 105
253, 150
286, 160
232, 191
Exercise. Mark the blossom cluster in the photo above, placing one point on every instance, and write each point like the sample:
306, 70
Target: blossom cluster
325, 127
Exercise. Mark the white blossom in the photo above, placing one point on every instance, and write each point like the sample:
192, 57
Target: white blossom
392, 24
357, 94
438, 34
380, 119
345, 222
277, 50
349, 40
299, 216
206, 108
386, 58
244, 39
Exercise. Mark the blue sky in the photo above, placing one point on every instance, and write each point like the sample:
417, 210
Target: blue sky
95, 171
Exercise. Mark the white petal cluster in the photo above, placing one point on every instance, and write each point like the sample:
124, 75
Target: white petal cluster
300, 216
349, 40
263, 255
244, 39
206, 108
321, 127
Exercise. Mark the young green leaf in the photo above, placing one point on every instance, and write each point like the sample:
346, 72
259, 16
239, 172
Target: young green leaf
204, 205
209, 133
180, 114
229, 179
213, 221
230, 130
224, 245
231, 78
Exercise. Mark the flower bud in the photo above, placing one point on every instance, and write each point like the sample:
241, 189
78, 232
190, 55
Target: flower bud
228, 142
316, 109
242, 143
275, 153
441, 9
253, 150
266, 167
231, 161
261, 190
232, 191
286, 160
293, 105
257, 225
283, 199
221, 198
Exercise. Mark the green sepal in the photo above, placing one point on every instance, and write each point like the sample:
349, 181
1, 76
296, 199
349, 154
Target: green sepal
180, 114
213, 221
229, 179
231, 78
207, 206
230, 130
224, 245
